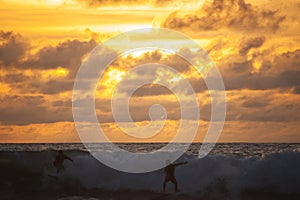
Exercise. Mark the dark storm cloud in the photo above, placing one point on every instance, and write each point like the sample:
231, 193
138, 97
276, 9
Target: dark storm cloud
52, 86
36, 84
251, 43
61, 103
269, 105
12, 48
67, 54
22, 110
282, 72
255, 103
24, 100
238, 67
276, 112
236, 14
139, 108
140, 111
33, 114
14, 77
151, 90
285, 79
288, 61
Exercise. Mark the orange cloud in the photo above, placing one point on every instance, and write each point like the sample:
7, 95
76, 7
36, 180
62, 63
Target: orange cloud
218, 14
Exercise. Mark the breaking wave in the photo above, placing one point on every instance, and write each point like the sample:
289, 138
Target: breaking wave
213, 175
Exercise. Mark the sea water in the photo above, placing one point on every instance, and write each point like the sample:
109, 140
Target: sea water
230, 171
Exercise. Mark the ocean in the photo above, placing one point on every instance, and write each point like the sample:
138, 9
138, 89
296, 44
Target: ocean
230, 171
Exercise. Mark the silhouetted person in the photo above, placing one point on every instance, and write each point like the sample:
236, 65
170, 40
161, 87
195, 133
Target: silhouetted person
59, 159
170, 174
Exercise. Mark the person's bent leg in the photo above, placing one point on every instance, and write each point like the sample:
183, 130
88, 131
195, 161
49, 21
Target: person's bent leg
60, 168
175, 184
164, 185
56, 165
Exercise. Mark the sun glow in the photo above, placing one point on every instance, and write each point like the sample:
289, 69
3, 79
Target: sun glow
109, 81
54, 2
4, 88
115, 75
37, 2
256, 66
59, 72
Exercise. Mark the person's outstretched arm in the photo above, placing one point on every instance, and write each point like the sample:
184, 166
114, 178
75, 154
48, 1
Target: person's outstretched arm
181, 163
68, 158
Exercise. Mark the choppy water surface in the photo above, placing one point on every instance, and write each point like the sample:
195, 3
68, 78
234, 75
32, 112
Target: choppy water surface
230, 171
225, 149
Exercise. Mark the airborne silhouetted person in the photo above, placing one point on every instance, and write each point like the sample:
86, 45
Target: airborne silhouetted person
59, 159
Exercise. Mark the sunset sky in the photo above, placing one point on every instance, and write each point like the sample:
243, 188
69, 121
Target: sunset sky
254, 43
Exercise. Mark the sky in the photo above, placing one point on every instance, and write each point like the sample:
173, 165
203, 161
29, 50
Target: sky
255, 44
